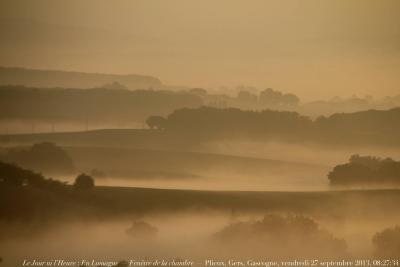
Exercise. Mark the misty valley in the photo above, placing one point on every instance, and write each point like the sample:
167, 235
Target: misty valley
207, 133
102, 195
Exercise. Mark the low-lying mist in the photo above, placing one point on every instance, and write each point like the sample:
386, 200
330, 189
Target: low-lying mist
237, 183
196, 236
306, 152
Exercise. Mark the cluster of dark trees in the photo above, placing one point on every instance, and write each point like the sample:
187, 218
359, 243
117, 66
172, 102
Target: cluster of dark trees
215, 120
12, 175
100, 105
83, 182
366, 170
245, 99
371, 127
115, 103
42, 157
303, 235
300, 235
27, 195
387, 243
226, 122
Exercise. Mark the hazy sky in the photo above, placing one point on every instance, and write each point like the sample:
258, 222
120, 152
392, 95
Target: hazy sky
314, 48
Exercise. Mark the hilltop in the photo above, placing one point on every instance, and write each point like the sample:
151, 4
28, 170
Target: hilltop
73, 79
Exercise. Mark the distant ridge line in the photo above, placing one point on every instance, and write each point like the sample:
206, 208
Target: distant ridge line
73, 79
78, 72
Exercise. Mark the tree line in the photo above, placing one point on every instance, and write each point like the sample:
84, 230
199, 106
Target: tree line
101, 105
379, 127
366, 170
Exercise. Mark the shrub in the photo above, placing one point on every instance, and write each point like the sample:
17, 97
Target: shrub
84, 182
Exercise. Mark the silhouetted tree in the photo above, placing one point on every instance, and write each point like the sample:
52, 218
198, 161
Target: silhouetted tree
276, 235
387, 243
13, 175
366, 170
350, 173
367, 161
84, 182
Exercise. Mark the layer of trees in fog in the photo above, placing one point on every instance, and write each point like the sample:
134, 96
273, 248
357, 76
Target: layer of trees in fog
347, 105
95, 105
35, 196
113, 167
387, 243
42, 157
113, 104
267, 98
250, 98
367, 127
274, 235
13, 175
366, 170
